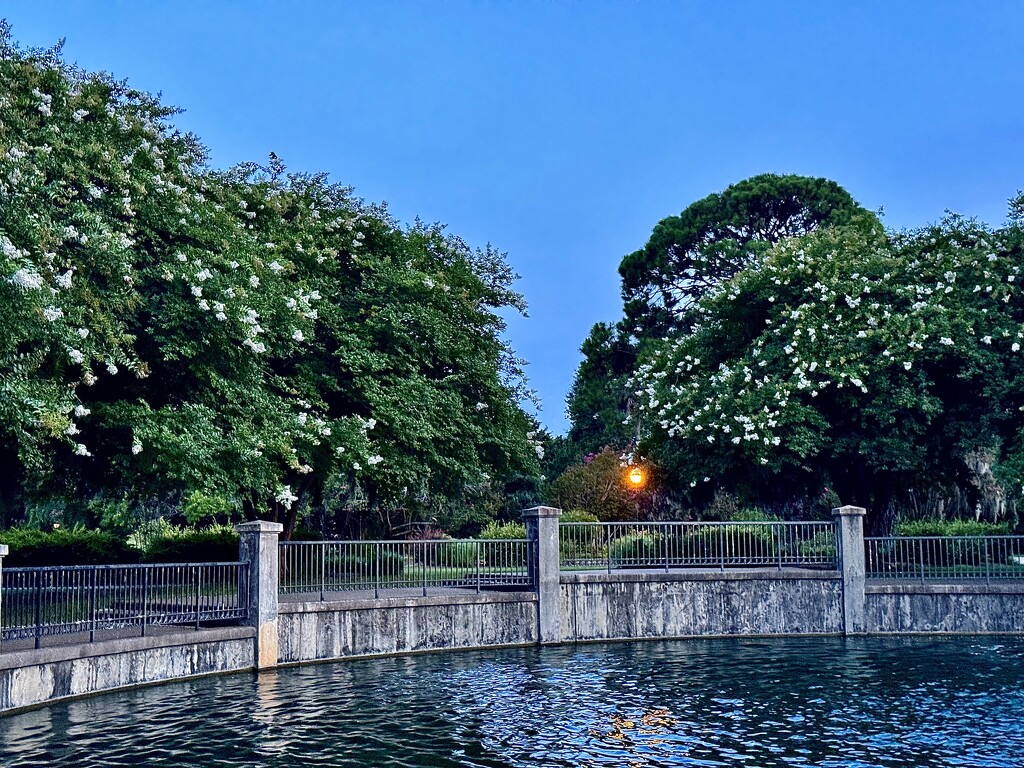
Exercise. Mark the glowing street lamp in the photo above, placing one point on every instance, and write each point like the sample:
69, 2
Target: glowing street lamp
636, 477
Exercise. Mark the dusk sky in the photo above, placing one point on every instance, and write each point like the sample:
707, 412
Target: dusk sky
562, 132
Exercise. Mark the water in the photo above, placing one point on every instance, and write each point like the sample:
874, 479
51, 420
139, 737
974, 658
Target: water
758, 703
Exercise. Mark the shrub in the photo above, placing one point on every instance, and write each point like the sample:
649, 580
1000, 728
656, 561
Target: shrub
952, 553
821, 547
209, 545
495, 530
363, 560
732, 544
578, 516
305, 534
77, 546
637, 548
586, 543
599, 486
935, 527
460, 554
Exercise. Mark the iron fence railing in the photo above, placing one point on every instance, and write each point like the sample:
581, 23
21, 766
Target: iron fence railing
704, 544
941, 558
322, 567
61, 600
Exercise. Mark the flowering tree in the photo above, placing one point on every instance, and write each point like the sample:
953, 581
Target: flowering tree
71, 176
246, 334
886, 363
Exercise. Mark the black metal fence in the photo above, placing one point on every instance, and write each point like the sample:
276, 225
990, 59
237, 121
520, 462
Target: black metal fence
773, 544
322, 567
63, 600
944, 558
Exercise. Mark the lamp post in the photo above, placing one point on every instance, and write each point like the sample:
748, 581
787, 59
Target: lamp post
635, 479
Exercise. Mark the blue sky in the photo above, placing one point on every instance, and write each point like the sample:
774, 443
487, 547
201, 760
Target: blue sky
563, 131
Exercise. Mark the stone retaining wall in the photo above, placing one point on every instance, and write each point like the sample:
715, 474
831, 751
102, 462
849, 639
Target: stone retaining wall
33, 677
318, 631
633, 605
944, 608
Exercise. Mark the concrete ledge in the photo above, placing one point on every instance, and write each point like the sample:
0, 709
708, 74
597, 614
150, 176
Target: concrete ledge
366, 604
917, 588
59, 653
734, 574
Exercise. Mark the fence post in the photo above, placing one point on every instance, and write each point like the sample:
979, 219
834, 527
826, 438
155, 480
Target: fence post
850, 549
545, 567
258, 547
3, 554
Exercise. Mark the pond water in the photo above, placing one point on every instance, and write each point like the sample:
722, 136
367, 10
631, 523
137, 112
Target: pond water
743, 702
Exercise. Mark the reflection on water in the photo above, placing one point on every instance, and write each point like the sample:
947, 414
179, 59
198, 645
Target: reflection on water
759, 703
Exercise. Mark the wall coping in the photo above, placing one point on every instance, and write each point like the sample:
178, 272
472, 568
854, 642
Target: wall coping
369, 603
917, 588
259, 526
786, 574
55, 654
849, 511
542, 512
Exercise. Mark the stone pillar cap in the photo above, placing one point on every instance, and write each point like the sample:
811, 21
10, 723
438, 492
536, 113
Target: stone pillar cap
3, 550
849, 510
542, 512
259, 526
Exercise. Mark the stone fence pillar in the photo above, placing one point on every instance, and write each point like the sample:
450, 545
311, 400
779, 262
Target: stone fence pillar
850, 548
542, 531
257, 546
3, 554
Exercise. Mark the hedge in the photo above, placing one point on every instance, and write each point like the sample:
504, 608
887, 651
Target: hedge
31, 548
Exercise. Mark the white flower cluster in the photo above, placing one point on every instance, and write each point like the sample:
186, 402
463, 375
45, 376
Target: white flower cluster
805, 346
285, 497
27, 279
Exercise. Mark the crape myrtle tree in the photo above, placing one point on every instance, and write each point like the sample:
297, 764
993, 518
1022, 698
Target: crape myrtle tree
71, 176
687, 256
249, 335
882, 366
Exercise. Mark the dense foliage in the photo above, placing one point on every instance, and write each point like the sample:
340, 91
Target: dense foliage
598, 486
714, 238
882, 365
598, 400
788, 352
217, 544
31, 548
255, 337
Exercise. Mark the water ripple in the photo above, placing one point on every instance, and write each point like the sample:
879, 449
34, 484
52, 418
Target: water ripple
827, 702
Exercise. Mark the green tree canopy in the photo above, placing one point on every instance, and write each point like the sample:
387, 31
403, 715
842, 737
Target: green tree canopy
251, 335
690, 254
880, 364
596, 404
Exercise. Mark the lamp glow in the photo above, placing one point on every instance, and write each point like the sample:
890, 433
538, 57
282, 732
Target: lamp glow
636, 477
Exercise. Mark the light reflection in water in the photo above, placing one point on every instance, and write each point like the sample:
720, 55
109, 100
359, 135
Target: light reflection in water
760, 703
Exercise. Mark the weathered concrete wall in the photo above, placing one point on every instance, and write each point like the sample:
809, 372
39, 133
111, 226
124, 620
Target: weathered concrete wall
959, 608
679, 604
337, 630
33, 677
